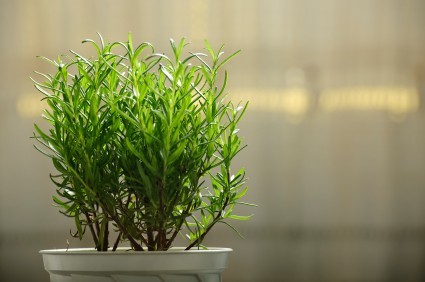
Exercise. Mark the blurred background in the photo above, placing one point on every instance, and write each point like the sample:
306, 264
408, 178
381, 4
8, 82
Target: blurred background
335, 129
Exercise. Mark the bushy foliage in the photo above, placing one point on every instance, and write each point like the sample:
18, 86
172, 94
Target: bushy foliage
135, 136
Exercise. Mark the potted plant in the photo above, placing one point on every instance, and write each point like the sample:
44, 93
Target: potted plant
142, 144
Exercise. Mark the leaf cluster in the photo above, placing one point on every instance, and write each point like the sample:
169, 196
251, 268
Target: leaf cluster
135, 136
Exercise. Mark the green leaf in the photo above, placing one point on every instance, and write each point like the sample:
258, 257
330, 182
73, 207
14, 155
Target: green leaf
142, 157
60, 202
79, 227
147, 182
239, 217
228, 59
240, 194
233, 228
177, 152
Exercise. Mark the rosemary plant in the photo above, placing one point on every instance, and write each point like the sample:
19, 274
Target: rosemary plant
135, 136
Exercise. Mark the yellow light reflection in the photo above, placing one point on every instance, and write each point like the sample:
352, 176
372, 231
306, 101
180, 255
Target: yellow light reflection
29, 106
294, 102
395, 100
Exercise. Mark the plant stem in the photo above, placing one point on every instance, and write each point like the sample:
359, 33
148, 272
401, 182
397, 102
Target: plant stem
92, 231
134, 244
106, 237
117, 241
216, 219
177, 230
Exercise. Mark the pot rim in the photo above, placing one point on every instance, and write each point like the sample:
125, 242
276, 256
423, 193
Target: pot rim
129, 251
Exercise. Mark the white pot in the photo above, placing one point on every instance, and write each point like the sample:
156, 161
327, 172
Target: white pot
125, 265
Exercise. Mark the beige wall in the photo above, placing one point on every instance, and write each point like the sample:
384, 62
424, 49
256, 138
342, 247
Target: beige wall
336, 129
